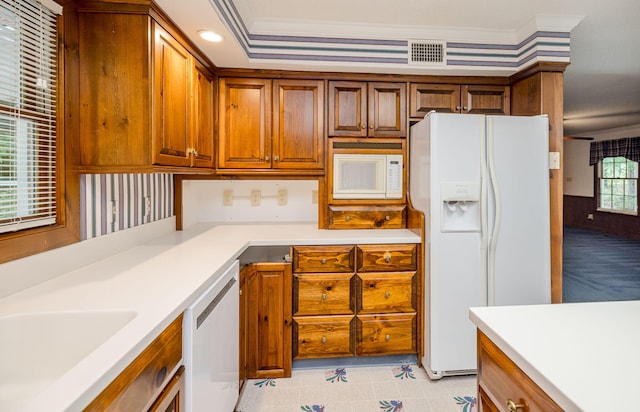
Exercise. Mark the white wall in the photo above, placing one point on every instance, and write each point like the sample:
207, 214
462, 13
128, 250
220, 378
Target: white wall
202, 201
578, 175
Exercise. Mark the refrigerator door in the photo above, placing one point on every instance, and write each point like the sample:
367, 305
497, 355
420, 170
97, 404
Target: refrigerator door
451, 146
519, 252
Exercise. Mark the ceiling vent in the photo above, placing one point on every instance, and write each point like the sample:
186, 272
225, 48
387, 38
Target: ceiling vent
427, 52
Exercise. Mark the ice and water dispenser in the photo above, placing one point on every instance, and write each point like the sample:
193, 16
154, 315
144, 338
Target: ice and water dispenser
460, 209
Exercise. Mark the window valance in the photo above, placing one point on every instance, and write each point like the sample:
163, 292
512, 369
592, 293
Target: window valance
628, 147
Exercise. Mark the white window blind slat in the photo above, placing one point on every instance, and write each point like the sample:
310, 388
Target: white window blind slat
28, 68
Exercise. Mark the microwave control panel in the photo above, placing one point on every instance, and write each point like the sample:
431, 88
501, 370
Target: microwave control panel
394, 177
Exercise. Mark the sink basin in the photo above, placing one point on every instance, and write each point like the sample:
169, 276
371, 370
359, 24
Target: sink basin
38, 348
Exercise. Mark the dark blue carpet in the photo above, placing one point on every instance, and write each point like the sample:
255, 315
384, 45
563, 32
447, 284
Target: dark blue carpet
599, 267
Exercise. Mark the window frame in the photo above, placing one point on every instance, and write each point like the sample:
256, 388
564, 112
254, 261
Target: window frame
66, 230
598, 186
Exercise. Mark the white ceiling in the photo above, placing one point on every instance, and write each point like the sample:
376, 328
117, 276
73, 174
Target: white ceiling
602, 83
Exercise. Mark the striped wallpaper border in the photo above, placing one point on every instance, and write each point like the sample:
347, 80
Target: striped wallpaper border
551, 46
113, 202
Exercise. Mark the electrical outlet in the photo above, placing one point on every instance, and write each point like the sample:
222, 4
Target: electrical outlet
282, 197
314, 197
255, 197
227, 198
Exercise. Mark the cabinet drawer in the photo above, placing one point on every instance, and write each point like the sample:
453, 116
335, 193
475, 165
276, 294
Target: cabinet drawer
317, 294
386, 334
323, 259
385, 258
502, 380
366, 217
323, 336
386, 292
145, 377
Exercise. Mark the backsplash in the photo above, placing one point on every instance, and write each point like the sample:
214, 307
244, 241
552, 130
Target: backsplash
242, 201
114, 202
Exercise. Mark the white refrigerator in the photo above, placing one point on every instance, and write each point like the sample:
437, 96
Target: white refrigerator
482, 183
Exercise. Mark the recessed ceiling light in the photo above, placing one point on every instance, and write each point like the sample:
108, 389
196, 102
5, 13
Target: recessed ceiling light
211, 36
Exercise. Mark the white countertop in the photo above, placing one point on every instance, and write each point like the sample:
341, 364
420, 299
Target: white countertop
157, 280
585, 356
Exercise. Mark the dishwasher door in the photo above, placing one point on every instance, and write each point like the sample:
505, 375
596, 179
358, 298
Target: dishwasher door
211, 346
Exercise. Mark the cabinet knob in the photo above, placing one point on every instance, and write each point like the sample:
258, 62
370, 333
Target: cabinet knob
513, 407
371, 126
387, 338
266, 158
347, 218
276, 158
323, 261
458, 108
324, 296
387, 257
465, 108
323, 339
387, 217
387, 295
364, 126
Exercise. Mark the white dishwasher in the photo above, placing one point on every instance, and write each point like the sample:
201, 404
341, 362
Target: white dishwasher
211, 346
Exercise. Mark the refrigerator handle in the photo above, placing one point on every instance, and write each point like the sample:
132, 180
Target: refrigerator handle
495, 231
484, 235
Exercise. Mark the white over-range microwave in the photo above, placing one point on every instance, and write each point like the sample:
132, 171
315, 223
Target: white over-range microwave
367, 176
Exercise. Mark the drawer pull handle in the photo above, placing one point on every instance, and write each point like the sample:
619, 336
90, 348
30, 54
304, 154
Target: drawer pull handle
387, 337
387, 217
347, 218
513, 407
323, 261
387, 257
323, 340
324, 296
387, 295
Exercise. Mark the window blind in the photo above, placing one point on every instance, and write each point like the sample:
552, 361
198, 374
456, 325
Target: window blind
28, 89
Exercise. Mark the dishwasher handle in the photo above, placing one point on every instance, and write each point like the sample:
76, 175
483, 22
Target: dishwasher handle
214, 302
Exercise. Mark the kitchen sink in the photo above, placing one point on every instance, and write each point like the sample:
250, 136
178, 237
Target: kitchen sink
38, 348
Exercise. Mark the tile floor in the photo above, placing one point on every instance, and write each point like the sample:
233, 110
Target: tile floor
400, 388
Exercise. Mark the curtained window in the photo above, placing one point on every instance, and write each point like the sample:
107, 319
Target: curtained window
617, 174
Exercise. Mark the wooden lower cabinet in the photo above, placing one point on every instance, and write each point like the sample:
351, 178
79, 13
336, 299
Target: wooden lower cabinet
503, 386
146, 381
323, 336
267, 315
386, 334
340, 310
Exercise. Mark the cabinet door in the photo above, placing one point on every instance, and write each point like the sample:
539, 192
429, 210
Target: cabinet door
348, 109
298, 124
443, 98
486, 99
387, 110
172, 397
172, 67
203, 110
269, 320
244, 123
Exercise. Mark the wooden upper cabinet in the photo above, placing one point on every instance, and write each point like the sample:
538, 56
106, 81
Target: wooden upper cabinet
138, 95
171, 100
361, 109
298, 124
486, 99
276, 125
203, 111
454, 98
244, 123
